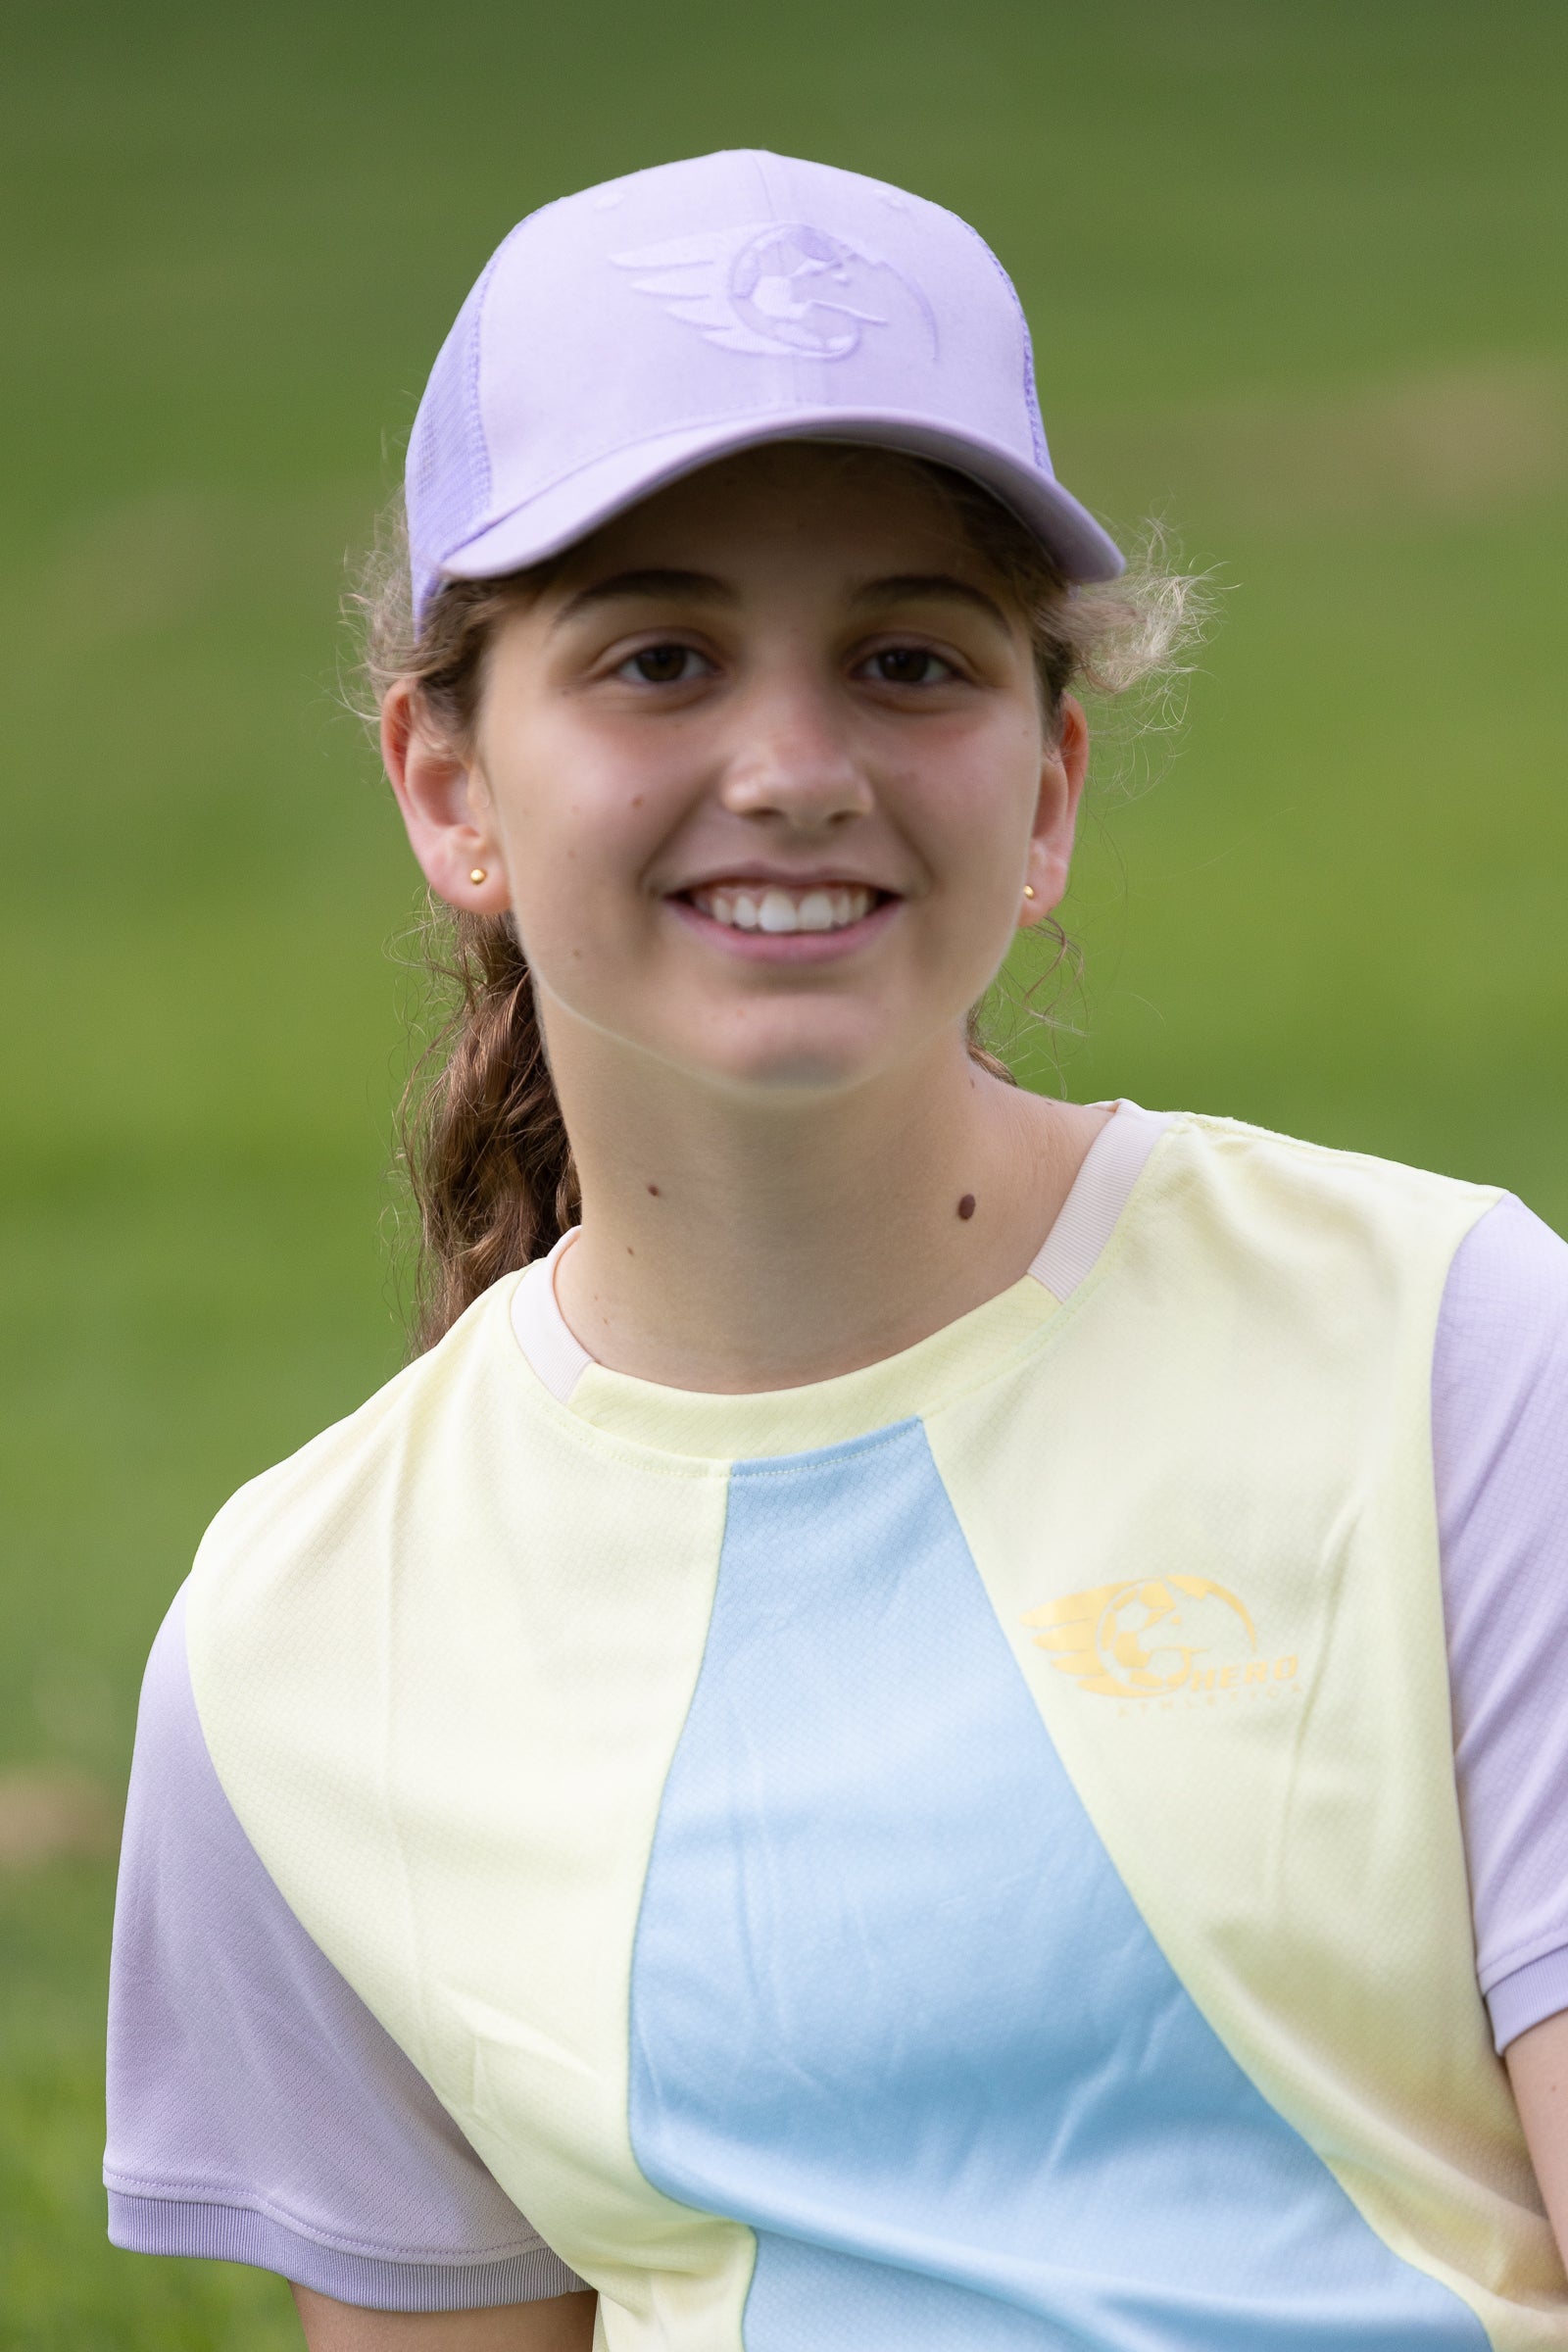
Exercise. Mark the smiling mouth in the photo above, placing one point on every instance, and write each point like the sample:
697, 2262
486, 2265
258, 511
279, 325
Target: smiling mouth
780, 908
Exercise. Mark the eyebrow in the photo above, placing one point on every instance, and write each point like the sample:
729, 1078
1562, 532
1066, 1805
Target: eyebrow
931, 587
702, 587
692, 587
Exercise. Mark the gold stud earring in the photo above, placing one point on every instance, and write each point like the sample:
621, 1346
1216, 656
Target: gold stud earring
478, 874
1028, 891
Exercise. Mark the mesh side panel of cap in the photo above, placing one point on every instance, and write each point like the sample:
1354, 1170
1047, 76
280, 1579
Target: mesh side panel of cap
1031, 390
448, 480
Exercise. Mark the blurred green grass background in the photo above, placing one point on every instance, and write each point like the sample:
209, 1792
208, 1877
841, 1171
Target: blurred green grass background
1295, 269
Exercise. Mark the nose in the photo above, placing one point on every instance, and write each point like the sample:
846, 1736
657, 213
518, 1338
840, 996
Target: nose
795, 757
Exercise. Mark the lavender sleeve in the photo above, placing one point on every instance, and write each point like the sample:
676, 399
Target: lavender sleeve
1500, 1424
257, 2111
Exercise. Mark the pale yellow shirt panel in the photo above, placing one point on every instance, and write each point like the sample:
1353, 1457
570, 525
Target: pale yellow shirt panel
454, 1780
1246, 1676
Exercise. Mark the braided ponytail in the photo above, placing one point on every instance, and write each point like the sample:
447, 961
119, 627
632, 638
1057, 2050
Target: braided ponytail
485, 1147
484, 1144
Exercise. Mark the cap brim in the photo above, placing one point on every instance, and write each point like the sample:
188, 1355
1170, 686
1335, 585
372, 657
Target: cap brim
571, 509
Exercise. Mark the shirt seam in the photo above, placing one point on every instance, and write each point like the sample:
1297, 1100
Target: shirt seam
236, 2200
1052, 1333
1301, 1146
659, 1462
754, 1467
1554, 1946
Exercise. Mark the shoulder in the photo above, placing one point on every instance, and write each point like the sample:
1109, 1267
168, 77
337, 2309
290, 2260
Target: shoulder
330, 1496
1292, 1166
1505, 1306
1500, 1406
304, 1576
257, 2110
1263, 1208
323, 1591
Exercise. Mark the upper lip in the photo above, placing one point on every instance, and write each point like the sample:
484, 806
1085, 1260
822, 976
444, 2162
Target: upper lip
766, 877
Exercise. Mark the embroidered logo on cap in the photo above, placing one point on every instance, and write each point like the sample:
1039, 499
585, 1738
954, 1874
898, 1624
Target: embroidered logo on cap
777, 289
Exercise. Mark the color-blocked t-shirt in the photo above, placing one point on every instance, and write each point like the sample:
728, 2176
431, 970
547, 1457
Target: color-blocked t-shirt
259, 2110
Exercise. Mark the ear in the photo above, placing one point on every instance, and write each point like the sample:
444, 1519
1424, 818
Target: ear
445, 806
1061, 784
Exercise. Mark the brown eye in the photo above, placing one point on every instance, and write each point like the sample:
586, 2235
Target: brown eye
909, 666
660, 666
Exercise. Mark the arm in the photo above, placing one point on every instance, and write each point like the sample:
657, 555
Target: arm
1500, 1453
1538, 2069
562, 2324
257, 2111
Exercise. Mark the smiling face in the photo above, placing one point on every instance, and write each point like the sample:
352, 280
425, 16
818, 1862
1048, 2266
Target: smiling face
762, 772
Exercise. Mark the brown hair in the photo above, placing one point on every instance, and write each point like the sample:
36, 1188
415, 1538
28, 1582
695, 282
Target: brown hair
484, 1145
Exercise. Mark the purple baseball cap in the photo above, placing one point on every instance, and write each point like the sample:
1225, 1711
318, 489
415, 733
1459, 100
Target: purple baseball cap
631, 334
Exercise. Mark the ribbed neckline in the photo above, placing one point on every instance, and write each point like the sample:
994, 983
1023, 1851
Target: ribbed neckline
856, 1404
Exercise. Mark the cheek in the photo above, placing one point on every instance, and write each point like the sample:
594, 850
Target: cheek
977, 831
578, 835
976, 812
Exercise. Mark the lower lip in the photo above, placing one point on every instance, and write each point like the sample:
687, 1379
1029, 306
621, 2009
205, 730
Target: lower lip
787, 946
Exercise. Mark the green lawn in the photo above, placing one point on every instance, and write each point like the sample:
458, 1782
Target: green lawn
1295, 269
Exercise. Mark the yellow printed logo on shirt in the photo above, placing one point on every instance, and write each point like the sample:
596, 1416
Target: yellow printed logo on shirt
1150, 1636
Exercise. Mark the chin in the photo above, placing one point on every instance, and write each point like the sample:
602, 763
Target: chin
797, 1065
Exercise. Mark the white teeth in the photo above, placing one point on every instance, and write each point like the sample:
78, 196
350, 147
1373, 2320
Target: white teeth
776, 910
779, 910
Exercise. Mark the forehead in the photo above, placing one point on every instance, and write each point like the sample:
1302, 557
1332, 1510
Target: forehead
814, 505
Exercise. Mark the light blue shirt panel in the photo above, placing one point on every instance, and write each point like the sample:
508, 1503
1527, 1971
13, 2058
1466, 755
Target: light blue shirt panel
892, 2007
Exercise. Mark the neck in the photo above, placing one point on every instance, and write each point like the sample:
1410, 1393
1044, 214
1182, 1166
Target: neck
736, 1247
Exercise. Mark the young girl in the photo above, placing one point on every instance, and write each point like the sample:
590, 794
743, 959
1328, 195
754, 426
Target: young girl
933, 1719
